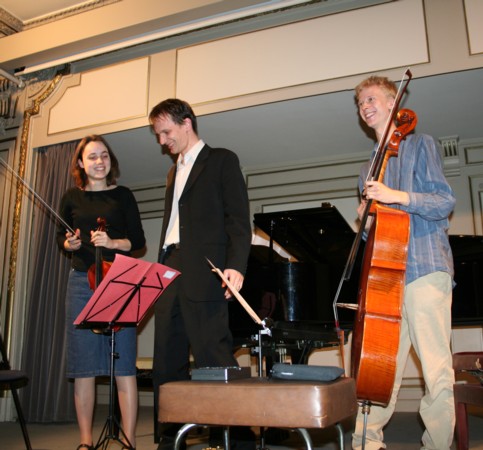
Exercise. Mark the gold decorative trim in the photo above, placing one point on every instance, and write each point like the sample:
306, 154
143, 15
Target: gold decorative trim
9, 24
32, 111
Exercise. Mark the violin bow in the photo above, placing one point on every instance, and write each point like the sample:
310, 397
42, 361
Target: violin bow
36, 196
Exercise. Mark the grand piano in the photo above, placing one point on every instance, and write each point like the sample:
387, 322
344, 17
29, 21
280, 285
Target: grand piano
297, 293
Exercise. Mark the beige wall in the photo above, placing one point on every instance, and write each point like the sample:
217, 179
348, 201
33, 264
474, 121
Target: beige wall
231, 75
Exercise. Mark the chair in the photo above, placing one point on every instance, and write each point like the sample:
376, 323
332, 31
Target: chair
468, 391
11, 379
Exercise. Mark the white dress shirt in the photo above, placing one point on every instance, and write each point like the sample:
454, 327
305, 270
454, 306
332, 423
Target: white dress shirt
183, 169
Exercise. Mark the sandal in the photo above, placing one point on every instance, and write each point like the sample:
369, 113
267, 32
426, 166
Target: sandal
88, 447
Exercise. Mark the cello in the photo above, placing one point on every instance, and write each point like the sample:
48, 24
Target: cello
376, 330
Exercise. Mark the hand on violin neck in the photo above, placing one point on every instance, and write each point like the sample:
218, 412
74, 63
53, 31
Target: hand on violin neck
72, 241
375, 190
101, 239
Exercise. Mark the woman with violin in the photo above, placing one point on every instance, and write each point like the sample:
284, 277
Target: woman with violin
95, 169
414, 182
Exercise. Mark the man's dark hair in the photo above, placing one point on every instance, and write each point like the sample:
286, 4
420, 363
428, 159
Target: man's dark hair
177, 109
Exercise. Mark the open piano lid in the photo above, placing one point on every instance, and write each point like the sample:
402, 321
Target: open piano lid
319, 240
310, 235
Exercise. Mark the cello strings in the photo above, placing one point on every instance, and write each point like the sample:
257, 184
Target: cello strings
36, 196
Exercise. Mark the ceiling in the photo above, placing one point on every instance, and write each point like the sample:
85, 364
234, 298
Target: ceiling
299, 130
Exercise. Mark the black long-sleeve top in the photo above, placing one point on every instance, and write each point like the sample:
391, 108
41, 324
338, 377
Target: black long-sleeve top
118, 207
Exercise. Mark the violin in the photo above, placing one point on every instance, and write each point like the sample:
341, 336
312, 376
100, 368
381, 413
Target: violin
99, 269
97, 272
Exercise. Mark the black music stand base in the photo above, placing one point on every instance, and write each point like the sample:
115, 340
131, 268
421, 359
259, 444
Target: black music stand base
112, 429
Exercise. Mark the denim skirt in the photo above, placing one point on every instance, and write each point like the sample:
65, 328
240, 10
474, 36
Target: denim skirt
88, 353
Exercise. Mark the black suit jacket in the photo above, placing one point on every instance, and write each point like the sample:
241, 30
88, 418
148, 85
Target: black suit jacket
214, 222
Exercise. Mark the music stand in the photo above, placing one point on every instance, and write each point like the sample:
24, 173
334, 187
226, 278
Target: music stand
124, 296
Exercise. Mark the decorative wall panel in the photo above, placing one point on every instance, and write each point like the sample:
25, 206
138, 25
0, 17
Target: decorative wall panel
474, 18
107, 95
324, 48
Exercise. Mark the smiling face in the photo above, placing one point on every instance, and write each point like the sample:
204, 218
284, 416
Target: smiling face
177, 138
375, 106
96, 163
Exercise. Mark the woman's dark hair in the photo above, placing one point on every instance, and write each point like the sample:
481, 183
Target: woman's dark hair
177, 109
79, 173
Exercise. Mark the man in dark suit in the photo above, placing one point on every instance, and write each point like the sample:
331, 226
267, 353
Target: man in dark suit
206, 216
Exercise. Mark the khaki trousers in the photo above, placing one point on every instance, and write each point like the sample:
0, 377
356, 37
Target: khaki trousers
426, 325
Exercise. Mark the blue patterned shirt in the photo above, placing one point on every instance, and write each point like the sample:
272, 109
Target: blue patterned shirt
418, 170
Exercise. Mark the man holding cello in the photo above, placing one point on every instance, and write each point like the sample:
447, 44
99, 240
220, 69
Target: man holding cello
414, 182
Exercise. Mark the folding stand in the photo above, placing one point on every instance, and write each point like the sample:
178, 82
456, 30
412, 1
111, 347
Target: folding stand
112, 428
122, 299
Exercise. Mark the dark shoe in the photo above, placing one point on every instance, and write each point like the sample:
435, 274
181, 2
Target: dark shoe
241, 438
275, 436
167, 443
237, 444
88, 447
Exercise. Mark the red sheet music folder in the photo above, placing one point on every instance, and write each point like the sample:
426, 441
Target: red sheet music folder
124, 296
